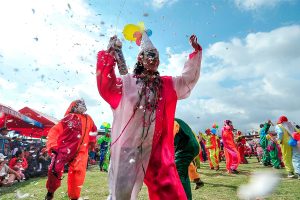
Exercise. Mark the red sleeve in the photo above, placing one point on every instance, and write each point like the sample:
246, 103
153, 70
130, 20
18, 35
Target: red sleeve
12, 162
53, 135
109, 87
24, 163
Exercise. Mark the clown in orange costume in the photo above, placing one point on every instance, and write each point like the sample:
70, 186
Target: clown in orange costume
68, 143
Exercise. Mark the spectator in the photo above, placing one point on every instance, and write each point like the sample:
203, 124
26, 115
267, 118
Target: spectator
4, 131
7, 175
19, 163
44, 161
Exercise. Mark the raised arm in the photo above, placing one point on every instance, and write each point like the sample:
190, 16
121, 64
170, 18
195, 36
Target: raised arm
109, 87
190, 74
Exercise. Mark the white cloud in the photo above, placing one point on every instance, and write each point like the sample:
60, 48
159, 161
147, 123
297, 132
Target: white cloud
158, 4
48, 56
254, 4
6, 85
247, 80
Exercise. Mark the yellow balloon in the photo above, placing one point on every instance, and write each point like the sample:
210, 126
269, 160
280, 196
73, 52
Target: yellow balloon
129, 30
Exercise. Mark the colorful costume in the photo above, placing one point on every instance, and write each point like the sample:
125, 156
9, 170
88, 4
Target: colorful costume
241, 143
69, 141
186, 149
284, 129
143, 151
273, 150
231, 153
213, 150
264, 144
104, 142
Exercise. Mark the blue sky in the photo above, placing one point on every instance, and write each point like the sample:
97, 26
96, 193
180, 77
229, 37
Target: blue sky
251, 55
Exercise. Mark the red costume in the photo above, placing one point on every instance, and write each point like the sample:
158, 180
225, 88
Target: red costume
231, 153
69, 142
241, 143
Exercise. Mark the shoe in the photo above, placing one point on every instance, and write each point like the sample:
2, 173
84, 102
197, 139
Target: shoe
234, 171
199, 184
298, 176
212, 168
49, 196
217, 168
278, 167
290, 175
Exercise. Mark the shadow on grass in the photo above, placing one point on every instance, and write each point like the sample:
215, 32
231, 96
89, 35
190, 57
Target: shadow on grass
18, 185
224, 173
221, 185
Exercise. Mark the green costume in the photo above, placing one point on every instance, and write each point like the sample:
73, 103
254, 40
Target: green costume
273, 150
186, 149
104, 143
264, 144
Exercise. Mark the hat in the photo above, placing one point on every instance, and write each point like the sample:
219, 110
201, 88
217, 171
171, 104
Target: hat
146, 43
2, 157
207, 131
282, 119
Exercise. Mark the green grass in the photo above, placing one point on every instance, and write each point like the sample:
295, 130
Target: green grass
218, 185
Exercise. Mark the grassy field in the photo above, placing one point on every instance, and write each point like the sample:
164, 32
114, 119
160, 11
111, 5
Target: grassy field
218, 185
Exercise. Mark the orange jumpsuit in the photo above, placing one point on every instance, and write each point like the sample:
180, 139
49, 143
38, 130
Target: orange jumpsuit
70, 139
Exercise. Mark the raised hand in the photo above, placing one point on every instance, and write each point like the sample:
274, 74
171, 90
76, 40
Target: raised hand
194, 43
111, 44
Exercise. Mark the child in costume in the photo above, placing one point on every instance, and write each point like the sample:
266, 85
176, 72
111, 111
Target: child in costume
68, 143
273, 151
143, 105
104, 144
232, 155
186, 149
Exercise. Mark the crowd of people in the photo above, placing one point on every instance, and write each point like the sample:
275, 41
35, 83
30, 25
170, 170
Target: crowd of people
22, 162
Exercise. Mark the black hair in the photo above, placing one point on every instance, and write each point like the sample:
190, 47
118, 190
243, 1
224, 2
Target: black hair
138, 68
19, 152
261, 125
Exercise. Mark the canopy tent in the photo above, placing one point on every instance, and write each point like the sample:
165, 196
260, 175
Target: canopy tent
47, 121
16, 121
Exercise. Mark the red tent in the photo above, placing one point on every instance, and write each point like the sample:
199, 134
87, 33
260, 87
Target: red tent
47, 121
16, 121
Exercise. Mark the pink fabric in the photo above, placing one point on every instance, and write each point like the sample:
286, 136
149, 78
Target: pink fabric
231, 153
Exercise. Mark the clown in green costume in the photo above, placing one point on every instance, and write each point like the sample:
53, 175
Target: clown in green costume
273, 149
186, 149
104, 144
264, 143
